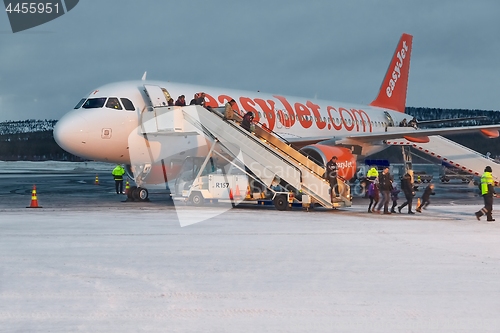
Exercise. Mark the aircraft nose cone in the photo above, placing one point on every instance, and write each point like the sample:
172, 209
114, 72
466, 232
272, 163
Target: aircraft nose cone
71, 134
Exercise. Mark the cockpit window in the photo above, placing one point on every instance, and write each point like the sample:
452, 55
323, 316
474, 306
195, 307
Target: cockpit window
93, 103
79, 105
113, 103
127, 104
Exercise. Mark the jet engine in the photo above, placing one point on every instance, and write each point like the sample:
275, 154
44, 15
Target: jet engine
321, 154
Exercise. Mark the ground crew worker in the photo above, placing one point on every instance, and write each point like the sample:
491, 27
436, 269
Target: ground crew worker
487, 191
118, 173
372, 174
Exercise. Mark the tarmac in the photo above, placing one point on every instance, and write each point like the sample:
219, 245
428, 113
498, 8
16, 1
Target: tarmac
89, 262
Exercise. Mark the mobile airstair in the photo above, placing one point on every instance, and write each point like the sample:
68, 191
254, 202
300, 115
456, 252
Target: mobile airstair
461, 157
268, 157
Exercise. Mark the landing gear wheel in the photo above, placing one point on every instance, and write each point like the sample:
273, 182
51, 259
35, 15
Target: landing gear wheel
281, 202
140, 194
130, 192
143, 194
197, 199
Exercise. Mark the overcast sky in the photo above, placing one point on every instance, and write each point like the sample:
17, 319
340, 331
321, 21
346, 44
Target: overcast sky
333, 50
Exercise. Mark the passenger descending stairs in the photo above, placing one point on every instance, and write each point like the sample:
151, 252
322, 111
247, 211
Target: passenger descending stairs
453, 153
269, 158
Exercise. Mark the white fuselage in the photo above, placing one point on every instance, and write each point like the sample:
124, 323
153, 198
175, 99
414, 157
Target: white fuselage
103, 133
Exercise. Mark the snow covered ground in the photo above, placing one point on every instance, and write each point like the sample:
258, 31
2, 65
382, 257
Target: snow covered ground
128, 267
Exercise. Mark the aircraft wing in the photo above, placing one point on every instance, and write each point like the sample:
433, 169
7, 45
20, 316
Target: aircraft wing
400, 132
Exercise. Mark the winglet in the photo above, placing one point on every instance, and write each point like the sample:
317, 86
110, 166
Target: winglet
144, 76
392, 94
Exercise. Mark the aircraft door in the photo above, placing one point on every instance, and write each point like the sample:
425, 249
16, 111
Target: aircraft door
390, 121
156, 95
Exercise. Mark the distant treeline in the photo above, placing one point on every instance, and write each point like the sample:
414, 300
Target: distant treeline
489, 117
26, 126
32, 140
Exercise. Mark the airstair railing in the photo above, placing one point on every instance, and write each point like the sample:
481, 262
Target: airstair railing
263, 136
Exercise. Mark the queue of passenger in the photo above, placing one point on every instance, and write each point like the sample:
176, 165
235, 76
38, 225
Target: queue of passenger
384, 184
381, 185
411, 123
199, 99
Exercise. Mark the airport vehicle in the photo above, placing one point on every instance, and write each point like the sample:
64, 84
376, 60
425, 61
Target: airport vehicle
131, 123
422, 177
201, 181
449, 172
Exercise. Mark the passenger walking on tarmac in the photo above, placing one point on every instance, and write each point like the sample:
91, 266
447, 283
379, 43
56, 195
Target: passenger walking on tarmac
488, 192
407, 188
181, 101
118, 173
373, 194
247, 121
429, 190
384, 180
372, 174
229, 111
394, 196
331, 174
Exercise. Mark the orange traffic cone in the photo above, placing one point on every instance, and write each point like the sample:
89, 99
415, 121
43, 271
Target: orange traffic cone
96, 180
127, 187
249, 193
34, 199
231, 194
237, 193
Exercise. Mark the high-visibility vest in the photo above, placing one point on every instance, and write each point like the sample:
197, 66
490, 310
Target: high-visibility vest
118, 172
372, 173
486, 179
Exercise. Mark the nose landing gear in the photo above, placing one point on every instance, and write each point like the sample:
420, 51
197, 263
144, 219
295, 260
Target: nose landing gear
137, 194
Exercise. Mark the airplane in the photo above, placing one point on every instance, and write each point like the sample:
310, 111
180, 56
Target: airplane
104, 125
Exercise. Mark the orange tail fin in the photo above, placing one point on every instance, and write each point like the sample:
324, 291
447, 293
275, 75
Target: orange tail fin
392, 94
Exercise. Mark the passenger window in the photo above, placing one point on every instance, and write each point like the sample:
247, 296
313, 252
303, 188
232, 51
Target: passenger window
113, 103
127, 104
94, 103
79, 105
